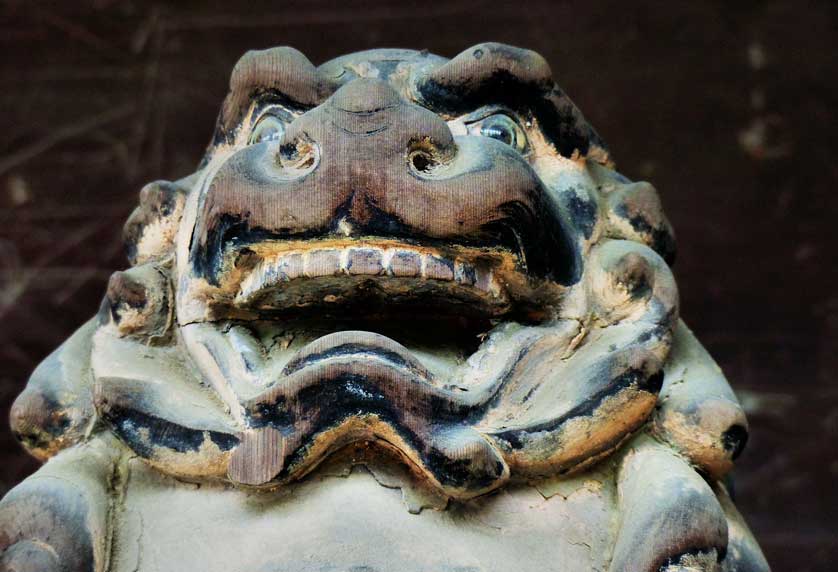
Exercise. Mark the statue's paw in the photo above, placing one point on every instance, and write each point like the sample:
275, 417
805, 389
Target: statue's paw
29, 556
44, 527
698, 412
57, 519
670, 519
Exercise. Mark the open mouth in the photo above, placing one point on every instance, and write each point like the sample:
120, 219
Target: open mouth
366, 276
336, 272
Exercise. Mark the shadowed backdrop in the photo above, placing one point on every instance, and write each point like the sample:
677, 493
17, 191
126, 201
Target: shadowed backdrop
729, 109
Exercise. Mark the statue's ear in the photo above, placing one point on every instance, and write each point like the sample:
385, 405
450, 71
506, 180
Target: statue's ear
150, 231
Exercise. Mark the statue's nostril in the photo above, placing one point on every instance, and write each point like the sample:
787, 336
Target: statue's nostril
422, 161
300, 155
424, 156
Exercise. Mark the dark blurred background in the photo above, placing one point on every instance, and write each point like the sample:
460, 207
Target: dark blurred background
729, 108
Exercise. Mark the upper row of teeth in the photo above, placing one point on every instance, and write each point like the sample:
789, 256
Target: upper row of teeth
368, 261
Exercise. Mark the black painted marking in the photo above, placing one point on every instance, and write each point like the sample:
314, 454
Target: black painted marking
660, 238
143, 432
583, 213
350, 348
734, 440
347, 396
631, 378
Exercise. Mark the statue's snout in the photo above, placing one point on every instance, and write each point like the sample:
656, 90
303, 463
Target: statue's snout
366, 125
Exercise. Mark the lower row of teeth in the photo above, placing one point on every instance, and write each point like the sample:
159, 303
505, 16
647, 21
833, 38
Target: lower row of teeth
400, 263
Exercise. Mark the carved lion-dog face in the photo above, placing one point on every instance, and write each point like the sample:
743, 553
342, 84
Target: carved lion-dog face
430, 255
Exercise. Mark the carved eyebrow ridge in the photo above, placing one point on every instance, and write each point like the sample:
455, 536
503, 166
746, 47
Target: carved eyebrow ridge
283, 71
517, 78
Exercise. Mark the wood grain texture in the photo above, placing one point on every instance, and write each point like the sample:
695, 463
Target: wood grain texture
727, 109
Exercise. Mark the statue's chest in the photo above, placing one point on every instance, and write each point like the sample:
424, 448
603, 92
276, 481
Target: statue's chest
355, 524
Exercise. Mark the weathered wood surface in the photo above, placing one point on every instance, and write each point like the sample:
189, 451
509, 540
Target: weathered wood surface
99, 99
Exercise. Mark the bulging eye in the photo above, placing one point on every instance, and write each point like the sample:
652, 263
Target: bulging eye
268, 128
504, 129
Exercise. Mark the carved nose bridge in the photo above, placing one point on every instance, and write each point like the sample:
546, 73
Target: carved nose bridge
353, 116
362, 109
365, 96
372, 116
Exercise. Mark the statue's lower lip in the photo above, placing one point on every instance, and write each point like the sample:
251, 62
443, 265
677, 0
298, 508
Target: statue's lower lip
355, 343
369, 370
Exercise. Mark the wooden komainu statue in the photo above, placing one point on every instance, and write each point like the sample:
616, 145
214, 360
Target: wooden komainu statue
404, 317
